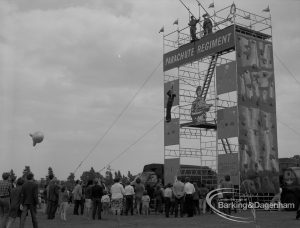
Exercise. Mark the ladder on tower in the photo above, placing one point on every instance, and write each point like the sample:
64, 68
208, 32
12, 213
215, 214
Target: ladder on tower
209, 74
226, 146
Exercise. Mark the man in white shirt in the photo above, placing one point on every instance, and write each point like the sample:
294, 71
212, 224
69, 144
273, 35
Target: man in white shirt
178, 190
189, 189
129, 193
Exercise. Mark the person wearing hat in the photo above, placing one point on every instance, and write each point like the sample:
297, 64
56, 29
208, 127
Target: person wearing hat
207, 24
193, 22
5, 189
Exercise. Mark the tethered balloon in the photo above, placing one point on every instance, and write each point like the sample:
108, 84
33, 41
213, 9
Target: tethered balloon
37, 137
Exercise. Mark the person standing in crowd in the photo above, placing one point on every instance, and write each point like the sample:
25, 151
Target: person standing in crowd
44, 195
168, 194
88, 198
77, 194
178, 190
15, 202
203, 190
193, 28
29, 201
145, 203
189, 190
63, 202
96, 195
129, 194
227, 196
207, 24
82, 201
172, 203
196, 197
52, 197
139, 191
5, 189
117, 193
105, 202
158, 196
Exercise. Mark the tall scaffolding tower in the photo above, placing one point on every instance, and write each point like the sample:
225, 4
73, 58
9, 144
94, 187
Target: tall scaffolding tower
189, 64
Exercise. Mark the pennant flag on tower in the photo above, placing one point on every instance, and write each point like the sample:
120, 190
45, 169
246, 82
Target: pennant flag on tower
266, 9
233, 9
175, 22
211, 5
161, 30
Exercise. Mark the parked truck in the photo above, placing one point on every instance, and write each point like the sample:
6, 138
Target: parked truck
153, 174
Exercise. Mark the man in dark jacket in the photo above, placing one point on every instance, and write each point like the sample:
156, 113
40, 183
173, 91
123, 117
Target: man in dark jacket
52, 197
29, 200
97, 192
193, 28
207, 25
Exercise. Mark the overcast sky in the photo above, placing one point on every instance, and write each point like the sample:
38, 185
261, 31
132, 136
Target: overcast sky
69, 67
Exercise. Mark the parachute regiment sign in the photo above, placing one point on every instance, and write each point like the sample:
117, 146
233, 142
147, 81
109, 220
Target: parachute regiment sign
220, 41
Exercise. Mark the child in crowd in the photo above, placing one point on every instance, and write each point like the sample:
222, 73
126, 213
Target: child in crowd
145, 203
105, 200
63, 199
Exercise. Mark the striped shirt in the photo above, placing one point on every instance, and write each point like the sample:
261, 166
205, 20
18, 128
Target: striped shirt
5, 188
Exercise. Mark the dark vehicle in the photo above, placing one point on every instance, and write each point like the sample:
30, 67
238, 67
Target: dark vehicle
291, 186
154, 173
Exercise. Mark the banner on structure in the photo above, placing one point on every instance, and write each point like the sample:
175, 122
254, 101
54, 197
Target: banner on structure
171, 169
226, 77
227, 122
211, 44
171, 93
228, 164
172, 132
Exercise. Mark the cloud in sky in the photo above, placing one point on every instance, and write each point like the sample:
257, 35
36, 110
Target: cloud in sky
68, 68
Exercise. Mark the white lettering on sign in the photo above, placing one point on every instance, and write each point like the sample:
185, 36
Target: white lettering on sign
214, 43
180, 56
190, 52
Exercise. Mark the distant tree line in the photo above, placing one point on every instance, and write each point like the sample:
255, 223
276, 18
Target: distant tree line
85, 177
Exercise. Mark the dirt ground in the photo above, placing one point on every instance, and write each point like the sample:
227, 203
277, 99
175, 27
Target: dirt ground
265, 219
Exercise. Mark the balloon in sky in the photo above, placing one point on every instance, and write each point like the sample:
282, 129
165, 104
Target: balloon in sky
37, 137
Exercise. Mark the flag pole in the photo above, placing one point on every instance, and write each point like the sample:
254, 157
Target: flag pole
199, 8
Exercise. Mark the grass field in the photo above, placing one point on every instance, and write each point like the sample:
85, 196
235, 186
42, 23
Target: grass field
265, 219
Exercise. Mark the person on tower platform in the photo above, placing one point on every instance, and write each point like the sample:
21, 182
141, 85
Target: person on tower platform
207, 24
199, 107
193, 22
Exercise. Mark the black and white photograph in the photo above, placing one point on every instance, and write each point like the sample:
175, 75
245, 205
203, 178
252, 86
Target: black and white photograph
138, 113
